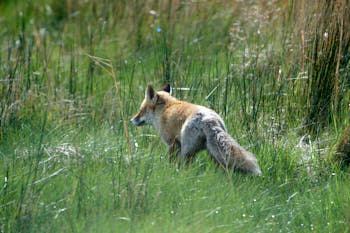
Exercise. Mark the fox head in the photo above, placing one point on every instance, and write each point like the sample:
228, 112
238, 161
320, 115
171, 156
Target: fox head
153, 101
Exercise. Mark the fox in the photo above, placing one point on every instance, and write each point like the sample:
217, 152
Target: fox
188, 128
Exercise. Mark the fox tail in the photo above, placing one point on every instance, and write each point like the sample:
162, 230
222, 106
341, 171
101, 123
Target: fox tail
225, 150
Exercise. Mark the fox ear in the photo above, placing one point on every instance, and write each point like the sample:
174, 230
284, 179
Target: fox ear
166, 88
151, 94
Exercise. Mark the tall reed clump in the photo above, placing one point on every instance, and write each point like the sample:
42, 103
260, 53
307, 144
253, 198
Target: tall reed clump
324, 35
308, 51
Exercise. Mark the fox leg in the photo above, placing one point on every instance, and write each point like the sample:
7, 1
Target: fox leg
192, 141
174, 149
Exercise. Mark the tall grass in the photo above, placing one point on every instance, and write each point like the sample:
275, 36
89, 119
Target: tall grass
325, 57
70, 162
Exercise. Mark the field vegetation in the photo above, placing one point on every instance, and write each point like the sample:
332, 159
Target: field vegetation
73, 72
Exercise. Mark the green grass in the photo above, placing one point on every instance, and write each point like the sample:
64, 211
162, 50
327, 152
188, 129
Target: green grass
85, 182
64, 160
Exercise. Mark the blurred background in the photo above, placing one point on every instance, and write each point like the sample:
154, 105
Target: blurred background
295, 53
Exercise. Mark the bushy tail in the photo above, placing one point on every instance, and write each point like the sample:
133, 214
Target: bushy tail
226, 151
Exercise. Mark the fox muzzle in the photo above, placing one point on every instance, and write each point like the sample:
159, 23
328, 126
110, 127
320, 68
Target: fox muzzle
137, 122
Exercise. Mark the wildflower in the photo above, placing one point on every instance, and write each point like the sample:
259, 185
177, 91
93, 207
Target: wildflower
152, 12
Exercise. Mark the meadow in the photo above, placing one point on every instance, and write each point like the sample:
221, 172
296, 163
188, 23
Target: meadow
72, 74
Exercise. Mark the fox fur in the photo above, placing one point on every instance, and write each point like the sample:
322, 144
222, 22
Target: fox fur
192, 128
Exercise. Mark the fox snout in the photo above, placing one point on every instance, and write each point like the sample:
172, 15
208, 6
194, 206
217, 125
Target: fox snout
137, 121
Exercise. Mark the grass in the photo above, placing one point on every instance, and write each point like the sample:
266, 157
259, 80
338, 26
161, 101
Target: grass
65, 164
84, 182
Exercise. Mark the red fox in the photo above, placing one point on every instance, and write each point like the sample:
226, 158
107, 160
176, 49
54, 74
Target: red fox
193, 128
